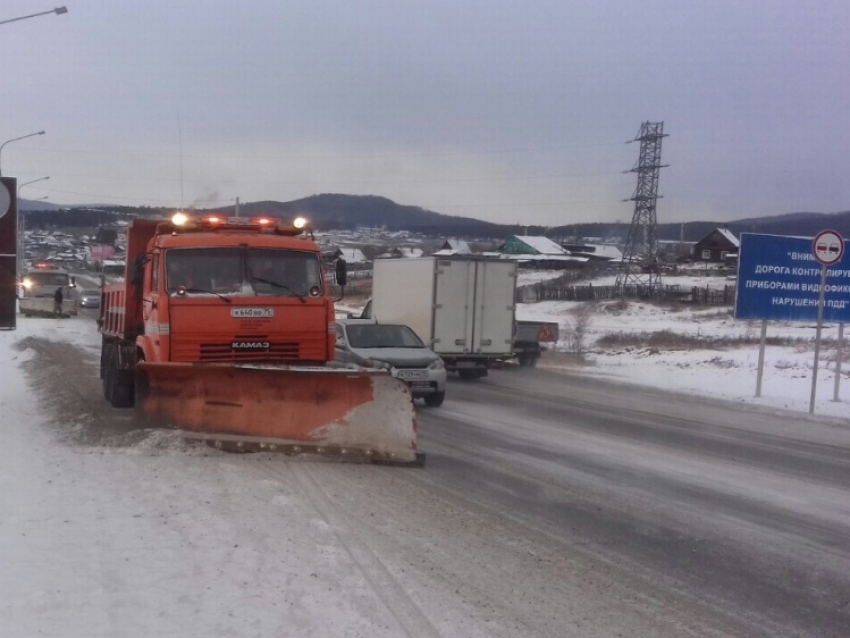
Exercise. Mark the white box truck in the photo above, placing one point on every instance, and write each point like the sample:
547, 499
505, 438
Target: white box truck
463, 308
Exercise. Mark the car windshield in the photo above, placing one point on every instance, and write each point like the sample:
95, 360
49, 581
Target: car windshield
382, 336
240, 271
91, 293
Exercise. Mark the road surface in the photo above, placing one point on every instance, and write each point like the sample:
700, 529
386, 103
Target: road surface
550, 506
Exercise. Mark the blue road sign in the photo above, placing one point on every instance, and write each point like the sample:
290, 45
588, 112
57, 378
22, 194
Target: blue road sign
779, 280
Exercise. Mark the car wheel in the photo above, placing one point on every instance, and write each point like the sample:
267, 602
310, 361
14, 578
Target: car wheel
435, 400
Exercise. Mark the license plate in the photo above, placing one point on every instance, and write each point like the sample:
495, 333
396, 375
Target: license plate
251, 313
412, 374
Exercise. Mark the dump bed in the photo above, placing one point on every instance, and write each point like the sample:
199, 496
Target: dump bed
112, 311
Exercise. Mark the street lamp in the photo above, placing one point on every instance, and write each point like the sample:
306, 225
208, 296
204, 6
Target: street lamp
22, 137
58, 11
21, 239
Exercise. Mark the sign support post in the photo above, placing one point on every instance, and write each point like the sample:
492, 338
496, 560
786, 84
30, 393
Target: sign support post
838, 355
762, 343
821, 302
8, 252
828, 249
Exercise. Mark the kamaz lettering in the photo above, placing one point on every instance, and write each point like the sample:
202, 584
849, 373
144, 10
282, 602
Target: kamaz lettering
250, 345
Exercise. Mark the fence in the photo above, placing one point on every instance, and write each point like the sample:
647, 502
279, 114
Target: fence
565, 290
559, 291
355, 288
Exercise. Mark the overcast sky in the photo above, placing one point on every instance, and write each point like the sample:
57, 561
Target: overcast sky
509, 111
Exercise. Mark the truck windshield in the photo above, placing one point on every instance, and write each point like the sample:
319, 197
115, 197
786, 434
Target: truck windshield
244, 271
376, 335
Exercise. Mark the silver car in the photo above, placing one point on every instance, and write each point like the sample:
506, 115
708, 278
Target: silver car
394, 347
90, 298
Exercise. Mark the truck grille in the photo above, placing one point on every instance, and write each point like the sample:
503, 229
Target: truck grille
224, 352
310, 348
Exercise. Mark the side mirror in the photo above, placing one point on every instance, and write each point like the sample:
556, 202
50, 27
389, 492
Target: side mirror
341, 272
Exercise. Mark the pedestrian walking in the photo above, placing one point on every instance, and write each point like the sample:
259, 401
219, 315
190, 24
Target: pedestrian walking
57, 302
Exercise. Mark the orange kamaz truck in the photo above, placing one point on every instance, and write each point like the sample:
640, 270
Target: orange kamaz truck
223, 328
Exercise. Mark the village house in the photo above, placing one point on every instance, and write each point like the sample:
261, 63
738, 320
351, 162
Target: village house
719, 246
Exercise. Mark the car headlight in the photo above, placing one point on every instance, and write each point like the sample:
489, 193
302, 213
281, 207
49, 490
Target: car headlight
374, 363
437, 365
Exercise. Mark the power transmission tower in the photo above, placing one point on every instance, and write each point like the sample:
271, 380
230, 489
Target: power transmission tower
640, 254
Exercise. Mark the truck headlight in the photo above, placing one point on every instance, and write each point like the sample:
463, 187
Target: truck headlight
27, 283
437, 365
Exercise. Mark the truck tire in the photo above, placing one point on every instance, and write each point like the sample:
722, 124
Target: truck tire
103, 346
435, 400
120, 395
105, 377
527, 360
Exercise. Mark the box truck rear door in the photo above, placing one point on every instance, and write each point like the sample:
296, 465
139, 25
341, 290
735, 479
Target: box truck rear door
494, 307
453, 306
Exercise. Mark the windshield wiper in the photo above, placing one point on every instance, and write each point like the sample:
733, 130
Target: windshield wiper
276, 284
182, 291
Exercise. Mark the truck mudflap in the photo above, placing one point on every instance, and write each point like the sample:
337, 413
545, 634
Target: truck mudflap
359, 415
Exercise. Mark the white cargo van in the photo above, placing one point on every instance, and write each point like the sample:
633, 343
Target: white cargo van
463, 308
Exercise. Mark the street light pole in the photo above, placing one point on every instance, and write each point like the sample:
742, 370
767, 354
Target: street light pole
21, 238
22, 137
58, 11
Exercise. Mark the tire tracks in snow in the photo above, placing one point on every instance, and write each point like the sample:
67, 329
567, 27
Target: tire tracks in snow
410, 617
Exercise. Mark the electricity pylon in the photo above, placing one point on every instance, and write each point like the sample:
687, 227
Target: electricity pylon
640, 254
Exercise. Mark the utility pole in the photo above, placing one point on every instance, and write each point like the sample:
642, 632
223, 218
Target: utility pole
640, 254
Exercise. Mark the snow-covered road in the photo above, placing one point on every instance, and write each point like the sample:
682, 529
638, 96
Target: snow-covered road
106, 531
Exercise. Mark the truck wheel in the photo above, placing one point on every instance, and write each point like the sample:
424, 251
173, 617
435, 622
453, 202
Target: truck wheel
103, 346
435, 400
120, 395
106, 378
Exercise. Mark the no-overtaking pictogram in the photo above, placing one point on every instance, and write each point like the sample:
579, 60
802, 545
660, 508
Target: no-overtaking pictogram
828, 247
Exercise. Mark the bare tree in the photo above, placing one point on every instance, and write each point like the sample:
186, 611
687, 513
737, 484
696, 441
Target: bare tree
578, 328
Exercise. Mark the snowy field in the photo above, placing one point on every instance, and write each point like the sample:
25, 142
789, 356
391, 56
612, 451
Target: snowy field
697, 350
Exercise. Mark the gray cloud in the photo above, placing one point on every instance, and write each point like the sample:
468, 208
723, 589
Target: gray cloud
498, 110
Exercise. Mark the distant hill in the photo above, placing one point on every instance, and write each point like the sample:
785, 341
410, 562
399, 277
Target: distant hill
351, 211
341, 212
804, 224
34, 204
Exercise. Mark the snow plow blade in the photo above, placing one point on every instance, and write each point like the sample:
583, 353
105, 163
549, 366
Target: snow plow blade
359, 415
